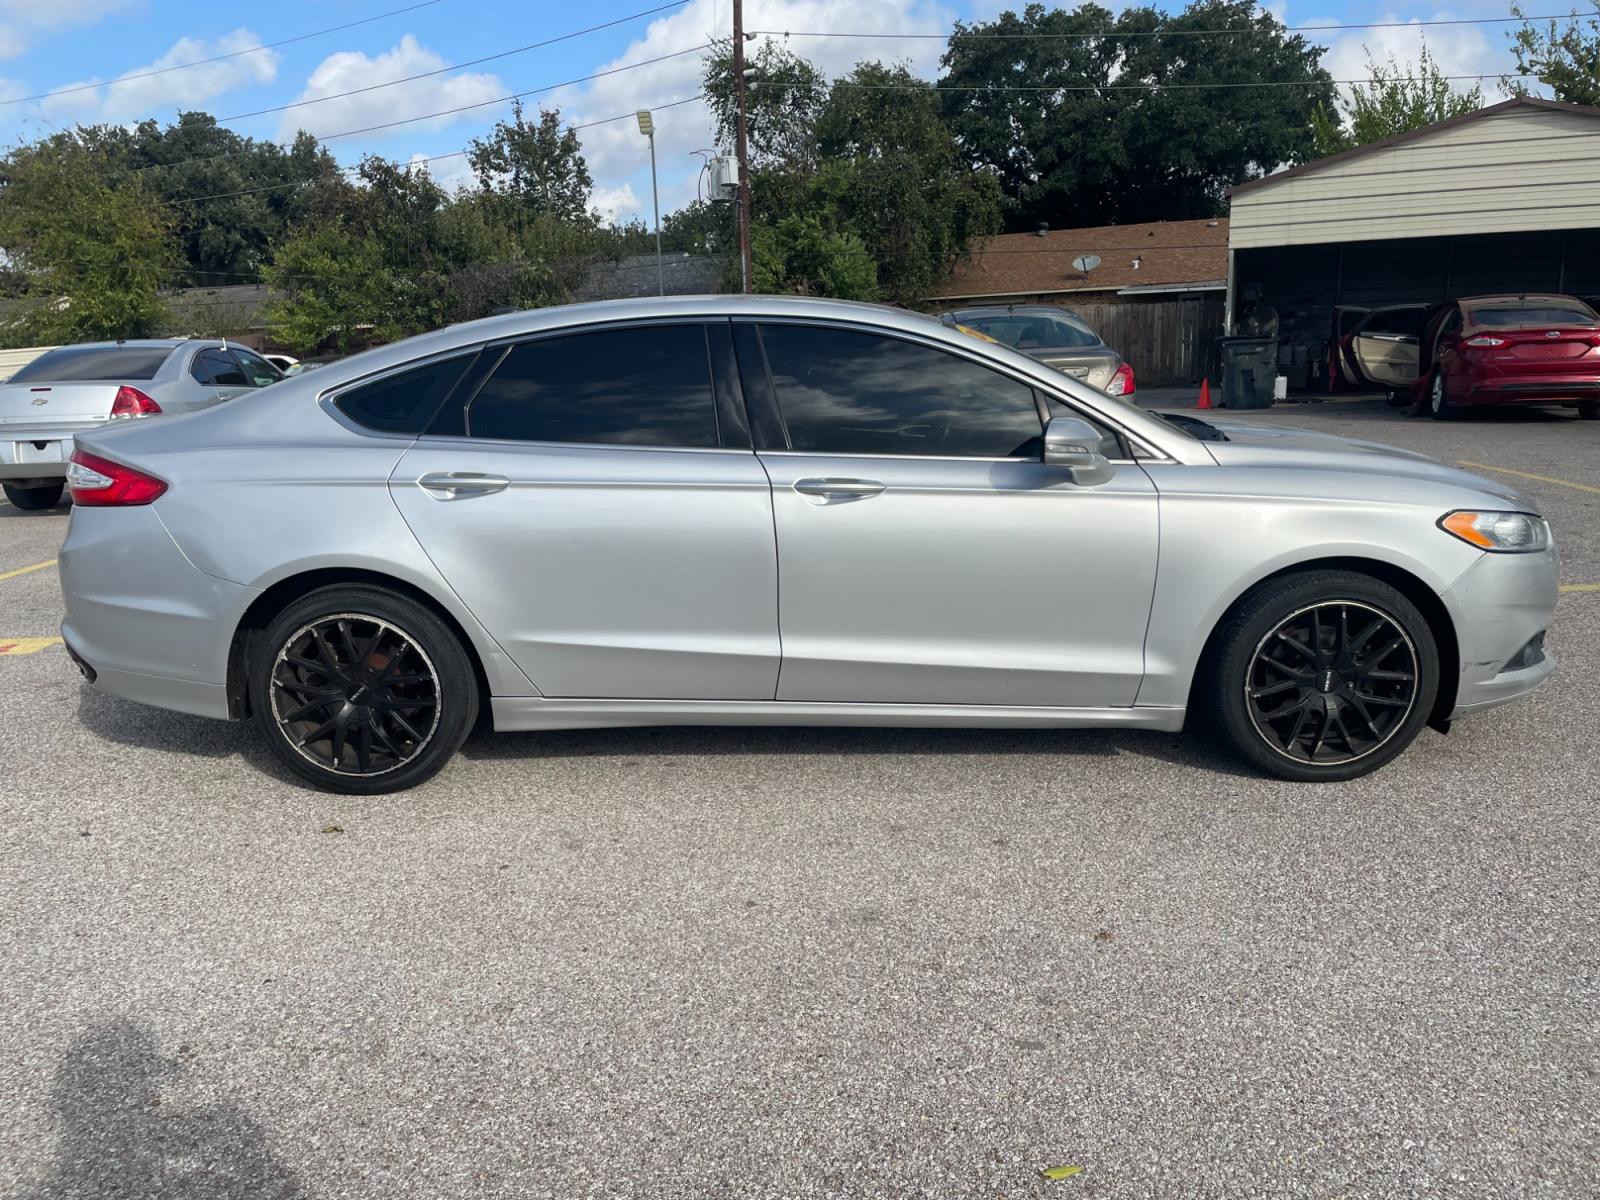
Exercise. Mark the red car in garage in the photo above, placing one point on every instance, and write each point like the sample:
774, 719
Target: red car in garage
1524, 349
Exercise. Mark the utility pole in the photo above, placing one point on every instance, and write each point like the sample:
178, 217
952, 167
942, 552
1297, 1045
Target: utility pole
740, 150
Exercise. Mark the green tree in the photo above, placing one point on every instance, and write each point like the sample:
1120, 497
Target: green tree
784, 96
1396, 99
536, 165
798, 255
94, 254
332, 285
1130, 118
1565, 58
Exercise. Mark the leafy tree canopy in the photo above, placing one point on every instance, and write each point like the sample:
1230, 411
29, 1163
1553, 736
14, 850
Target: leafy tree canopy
1396, 100
1563, 57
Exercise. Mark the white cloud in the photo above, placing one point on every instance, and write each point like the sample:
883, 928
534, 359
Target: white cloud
129, 98
22, 21
618, 203
616, 151
350, 69
1457, 49
449, 173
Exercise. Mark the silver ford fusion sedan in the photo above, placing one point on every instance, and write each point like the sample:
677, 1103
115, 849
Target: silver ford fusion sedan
733, 510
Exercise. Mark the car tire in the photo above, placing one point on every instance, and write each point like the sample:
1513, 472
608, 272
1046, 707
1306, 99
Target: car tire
1589, 410
1439, 406
1330, 709
361, 690
34, 499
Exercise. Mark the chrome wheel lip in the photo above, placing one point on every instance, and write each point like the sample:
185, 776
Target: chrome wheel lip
274, 691
1399, 721
1438, 392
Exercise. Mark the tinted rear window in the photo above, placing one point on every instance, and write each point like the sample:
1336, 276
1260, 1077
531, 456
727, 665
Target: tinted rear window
87, 364
405, 402
1517, 317
1035, 331
645, 386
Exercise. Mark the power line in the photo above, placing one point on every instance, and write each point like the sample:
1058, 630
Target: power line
1150, 33
1130, 87
200, 62
473, 62
415, 162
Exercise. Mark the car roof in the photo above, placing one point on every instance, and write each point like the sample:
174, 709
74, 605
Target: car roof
142, 344
1515, 298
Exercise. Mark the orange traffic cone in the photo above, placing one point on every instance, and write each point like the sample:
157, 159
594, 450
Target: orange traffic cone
1205, 394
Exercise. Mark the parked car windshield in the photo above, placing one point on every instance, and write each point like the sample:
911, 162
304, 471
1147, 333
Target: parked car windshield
88, 364
1518, 316
1034, 330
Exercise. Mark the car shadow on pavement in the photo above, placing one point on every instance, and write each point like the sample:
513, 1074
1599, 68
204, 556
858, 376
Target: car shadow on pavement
713, 740
142, 727
120, 1136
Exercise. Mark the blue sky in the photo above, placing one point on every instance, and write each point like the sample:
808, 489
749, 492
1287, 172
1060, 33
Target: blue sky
52, 44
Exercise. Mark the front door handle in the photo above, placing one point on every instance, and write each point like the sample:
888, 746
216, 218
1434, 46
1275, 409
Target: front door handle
854, 488
460, 485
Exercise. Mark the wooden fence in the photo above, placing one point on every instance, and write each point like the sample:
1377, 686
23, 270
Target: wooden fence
1168, 339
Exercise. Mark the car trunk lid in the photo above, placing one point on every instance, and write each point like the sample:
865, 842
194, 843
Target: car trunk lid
1094, 367
25, 406
1544, 350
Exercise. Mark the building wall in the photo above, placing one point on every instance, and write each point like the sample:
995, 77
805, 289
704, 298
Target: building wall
1525, 169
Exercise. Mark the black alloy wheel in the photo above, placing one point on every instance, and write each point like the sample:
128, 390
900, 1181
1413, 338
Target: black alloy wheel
1332, 682
1319, 676
361, 690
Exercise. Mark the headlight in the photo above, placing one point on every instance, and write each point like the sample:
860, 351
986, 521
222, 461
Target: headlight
1501, 532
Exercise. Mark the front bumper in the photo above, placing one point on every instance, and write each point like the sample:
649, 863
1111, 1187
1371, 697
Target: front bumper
147, 623
1503, 603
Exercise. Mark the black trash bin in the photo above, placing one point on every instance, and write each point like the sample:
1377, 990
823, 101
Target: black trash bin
1249, 365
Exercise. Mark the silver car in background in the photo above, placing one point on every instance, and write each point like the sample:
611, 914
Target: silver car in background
743, 510
75, 389
1056, 337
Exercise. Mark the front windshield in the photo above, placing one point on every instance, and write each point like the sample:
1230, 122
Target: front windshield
1033, 330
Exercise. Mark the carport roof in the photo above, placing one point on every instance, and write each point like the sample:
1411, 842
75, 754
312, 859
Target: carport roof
1410, 135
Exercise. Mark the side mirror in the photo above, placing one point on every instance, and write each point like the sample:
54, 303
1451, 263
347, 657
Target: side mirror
1073, 443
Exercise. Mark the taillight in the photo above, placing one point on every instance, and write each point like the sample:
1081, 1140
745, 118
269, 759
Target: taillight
95, 481
1486, 341
1122, 382
131, 402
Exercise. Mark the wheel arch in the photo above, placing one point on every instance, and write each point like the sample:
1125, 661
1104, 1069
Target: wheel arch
1403, 581
286, 591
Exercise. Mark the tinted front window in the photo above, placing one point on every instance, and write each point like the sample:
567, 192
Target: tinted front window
649, 385
1035, 331
217, 369
406, 402
842, 392
1534, 316
72, 364
1397, 321
256, 369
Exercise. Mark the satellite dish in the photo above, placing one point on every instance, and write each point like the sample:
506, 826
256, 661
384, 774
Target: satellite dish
1085, 263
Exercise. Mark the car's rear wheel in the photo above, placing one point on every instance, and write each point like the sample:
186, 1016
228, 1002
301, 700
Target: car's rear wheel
361, 690
1439, 406
1589, 410
34, 499
1323, 676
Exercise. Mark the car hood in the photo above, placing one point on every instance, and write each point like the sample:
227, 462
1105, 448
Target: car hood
1282, 446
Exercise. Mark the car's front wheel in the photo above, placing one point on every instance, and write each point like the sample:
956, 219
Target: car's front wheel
1324, 675
361, 690
34, 499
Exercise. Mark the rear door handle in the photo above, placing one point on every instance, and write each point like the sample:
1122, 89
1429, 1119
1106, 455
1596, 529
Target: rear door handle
461, 485
855, 488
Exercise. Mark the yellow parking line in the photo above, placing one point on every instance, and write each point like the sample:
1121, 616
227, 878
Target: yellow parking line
25, 570
1582, 487
26, 645
1580, 587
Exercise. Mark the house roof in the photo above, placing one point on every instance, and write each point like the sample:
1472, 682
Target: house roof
1167, 253
1412, 135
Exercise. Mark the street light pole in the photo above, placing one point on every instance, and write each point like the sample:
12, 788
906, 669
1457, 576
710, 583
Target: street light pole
647, 126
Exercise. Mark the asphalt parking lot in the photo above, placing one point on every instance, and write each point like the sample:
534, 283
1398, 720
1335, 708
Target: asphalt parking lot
808, 962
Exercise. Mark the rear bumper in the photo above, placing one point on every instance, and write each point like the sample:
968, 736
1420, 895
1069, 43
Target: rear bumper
1503, 603
35, 455
1539, 389
147, 623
